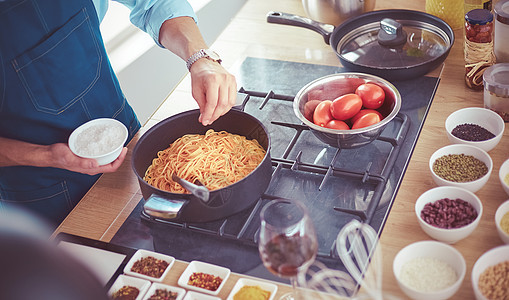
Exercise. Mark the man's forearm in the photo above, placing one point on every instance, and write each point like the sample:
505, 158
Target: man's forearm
19, 153
181, 36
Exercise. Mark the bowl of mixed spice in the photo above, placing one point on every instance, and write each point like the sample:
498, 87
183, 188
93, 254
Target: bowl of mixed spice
461, 165
149, 265
476, 126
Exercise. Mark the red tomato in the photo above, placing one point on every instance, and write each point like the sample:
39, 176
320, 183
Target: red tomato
309, 109
372, 95
366, 120
337, 124
362, 112
346, 106
322, 114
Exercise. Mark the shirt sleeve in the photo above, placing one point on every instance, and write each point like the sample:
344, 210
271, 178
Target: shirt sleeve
149, 15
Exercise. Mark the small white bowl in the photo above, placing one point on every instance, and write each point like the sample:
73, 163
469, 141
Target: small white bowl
478, 153
202, 267
451, 235
141, 253
430, 249
502, 173
483, 117
501, 211
159, 286
123, 280
101, 139
490, 258
267, 286
199, 296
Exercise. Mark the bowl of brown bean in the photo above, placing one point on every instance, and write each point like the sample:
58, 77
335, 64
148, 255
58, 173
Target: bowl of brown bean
502, 221
490, 274
476, 126
461, 165
448, 213
503, 175
161, 291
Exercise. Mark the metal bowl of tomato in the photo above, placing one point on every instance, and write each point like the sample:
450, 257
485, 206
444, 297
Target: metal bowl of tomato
347, 110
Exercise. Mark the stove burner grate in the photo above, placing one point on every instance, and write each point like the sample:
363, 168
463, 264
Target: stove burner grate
243, 226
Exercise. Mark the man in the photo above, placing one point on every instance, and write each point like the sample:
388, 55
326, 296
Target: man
55, 76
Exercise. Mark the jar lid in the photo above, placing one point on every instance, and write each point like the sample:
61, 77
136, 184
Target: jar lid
502, 11
479, 16
496, 79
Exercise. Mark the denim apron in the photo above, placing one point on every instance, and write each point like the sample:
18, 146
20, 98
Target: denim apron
54, 76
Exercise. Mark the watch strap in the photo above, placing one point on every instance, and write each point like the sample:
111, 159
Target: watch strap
197, 55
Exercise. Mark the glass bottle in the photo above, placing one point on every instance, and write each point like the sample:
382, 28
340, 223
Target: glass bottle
478, 46
477, 4
501, 35
451, 11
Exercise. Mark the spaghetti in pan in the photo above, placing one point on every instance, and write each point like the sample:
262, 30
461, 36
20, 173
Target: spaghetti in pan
216, 159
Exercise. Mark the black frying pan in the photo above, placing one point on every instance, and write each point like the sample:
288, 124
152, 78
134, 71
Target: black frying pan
222, 202
333, 35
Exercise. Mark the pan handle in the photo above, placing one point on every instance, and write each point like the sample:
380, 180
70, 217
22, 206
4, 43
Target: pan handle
277, 17
159, 207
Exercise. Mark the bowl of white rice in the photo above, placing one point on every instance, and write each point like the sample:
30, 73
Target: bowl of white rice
101, 139
429, 270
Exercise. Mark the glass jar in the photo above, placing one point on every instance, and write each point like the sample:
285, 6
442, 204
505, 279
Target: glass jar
496, 89
501, 40
478, 46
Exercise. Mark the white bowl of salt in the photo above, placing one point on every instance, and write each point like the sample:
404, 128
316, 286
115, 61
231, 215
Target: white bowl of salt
101, 139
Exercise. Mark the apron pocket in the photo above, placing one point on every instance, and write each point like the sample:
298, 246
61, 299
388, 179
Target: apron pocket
60, 70
52, 202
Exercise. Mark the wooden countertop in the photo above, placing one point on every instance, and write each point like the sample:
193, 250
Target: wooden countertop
106, 206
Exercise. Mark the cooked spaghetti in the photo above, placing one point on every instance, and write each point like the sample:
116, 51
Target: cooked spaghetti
216, 159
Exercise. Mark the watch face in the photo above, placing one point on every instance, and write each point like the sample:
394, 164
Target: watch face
212, 54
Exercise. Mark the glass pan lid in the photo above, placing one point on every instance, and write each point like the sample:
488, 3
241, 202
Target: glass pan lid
424, 43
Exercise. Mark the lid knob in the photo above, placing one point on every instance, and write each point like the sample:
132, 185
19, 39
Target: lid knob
391, 33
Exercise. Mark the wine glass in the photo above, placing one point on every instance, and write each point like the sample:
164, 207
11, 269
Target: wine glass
287, 241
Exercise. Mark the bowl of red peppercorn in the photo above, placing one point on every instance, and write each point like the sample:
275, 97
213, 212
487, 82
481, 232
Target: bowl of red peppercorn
461, 165
448, 214
149, 265
476, 126
204, 277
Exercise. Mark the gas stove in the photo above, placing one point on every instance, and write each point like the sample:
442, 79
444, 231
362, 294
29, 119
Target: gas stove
336, 185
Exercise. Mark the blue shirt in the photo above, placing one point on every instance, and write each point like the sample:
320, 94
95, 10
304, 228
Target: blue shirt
149, 15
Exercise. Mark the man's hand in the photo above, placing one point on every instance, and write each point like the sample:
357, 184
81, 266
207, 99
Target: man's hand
213, 88
63, 158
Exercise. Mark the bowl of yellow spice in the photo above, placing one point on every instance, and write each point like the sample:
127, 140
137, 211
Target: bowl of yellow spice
461, 165
503, 175
502, 221
247, 288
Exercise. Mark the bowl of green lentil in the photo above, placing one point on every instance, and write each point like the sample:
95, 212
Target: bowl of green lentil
490, 274
448, 213
476, 126
429, 270
503, 175
461, 165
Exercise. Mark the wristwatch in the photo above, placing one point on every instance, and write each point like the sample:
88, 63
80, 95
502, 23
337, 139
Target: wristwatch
207, 53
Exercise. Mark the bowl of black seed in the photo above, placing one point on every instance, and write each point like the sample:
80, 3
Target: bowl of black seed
461, 165
476, 126
448, 213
